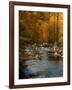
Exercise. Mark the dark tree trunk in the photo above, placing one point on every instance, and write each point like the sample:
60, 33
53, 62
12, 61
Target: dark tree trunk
56, 16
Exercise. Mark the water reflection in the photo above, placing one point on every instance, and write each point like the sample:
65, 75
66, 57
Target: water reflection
41, 66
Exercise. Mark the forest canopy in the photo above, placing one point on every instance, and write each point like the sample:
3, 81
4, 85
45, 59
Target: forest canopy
40, 27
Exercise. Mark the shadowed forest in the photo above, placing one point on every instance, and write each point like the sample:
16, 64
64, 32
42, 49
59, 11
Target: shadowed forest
40, 38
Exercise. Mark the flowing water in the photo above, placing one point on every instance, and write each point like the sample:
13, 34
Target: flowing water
41, 68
